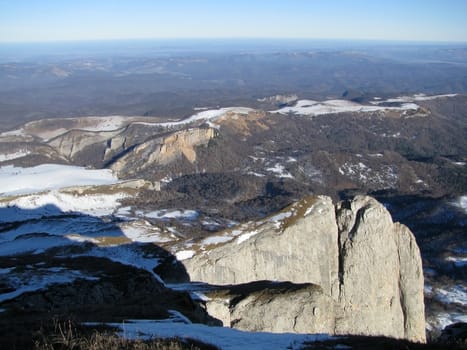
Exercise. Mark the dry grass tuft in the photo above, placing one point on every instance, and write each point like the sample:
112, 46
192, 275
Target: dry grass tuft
67, 336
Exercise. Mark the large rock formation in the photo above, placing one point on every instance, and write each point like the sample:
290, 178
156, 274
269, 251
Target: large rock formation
163, 150
368, 270
381, 277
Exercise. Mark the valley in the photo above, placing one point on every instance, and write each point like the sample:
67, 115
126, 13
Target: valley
125, 210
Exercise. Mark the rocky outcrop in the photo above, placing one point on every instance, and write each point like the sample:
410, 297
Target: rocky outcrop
273, 306
163, 150
368, 270
298, 251
73, 142
381, 277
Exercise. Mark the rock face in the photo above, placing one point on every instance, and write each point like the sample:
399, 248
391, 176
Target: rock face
75, 141
278, 254
381, 277
301, 308
163, 150
368, 270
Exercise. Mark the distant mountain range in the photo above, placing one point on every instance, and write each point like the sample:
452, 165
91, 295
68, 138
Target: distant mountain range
170, 78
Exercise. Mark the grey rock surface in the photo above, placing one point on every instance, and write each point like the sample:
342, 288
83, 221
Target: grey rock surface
274, 307
368, 270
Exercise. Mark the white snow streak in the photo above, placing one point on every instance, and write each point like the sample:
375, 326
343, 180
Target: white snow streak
14, 155
246, 236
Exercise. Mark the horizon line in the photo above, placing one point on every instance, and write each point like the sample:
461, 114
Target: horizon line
70, 41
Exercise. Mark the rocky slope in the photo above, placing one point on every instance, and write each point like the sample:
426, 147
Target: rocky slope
368, 271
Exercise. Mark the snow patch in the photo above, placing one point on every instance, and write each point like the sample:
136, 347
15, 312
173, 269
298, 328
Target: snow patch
165, 214
456, 294
142, 232
184, 254
127, 254
15, 155
246, 236
216, 240
39, 278
255, 174
279, 171
166, 179
414, 98
385, 177
109, 123
281, 216
444, 319
56, 203
208, 115
457, 261
461, 203
222, 337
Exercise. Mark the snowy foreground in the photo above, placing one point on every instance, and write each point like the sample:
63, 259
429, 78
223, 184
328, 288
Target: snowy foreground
224, 338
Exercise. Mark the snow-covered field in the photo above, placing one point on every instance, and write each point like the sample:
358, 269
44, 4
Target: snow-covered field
46, 177
315, 108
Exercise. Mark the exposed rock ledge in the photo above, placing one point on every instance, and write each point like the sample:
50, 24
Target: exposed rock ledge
366, 272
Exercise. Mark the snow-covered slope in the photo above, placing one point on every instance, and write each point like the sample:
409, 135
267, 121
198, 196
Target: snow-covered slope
46, 177
208, 115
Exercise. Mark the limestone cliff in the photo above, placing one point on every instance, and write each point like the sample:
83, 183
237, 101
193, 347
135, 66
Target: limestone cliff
366, 266
72, 142
163, 150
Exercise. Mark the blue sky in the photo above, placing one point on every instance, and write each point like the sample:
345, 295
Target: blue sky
413, 20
